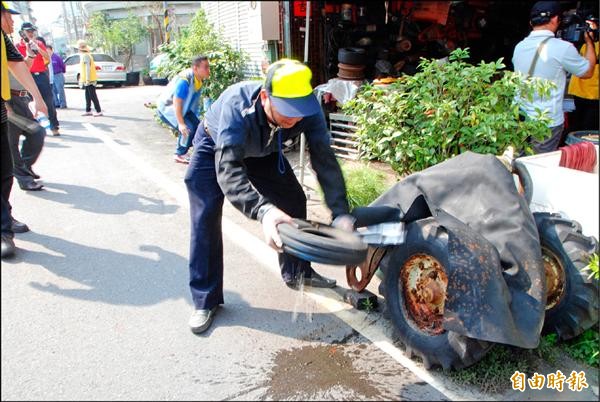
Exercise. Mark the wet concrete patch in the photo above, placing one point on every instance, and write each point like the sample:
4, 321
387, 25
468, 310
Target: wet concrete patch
319, 372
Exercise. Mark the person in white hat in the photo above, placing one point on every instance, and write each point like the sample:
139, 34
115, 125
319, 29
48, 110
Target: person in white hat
88, 79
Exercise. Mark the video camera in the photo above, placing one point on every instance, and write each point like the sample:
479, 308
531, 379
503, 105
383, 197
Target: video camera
26, 39
574, 25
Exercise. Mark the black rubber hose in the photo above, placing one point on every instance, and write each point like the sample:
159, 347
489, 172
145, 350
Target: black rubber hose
521, 170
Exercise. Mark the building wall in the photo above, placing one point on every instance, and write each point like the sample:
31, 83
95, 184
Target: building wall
244, 24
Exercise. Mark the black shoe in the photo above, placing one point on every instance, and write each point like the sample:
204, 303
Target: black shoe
8, 246
18, 227
318, 281
31, 186
32, 173
315, 281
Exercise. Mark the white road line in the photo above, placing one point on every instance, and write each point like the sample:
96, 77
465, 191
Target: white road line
327, 298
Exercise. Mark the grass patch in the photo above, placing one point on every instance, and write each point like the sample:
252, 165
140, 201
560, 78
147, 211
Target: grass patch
363, 183
586, 347
492, 373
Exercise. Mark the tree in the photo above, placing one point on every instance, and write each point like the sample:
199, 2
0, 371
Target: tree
201, 38
117, 36
157, 16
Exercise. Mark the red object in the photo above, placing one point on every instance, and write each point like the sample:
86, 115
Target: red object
580, 156
432, 11
299, 9
98, 68
120, 68
38, 65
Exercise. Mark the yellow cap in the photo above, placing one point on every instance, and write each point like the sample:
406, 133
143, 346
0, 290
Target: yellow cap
289, 88
9, 7
288, 78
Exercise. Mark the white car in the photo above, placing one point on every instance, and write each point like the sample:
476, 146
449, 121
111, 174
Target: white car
108, 71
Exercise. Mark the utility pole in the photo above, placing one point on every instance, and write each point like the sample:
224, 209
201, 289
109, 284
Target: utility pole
67, 25
166, 22
74, 21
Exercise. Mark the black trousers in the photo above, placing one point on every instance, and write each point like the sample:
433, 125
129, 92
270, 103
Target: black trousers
90, 96
206, 206
585, 116
7, 180
43, 83
32, 145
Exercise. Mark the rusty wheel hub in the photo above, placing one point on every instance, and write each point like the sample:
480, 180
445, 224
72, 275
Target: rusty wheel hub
555, 278
424, 282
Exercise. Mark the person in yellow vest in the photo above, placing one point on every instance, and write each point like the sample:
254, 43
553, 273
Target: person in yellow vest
88, 79
11, 60
586, 92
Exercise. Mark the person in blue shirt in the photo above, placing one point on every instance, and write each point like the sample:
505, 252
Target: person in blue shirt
238, 154
179, 104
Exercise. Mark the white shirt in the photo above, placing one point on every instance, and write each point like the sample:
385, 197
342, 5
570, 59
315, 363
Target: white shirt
556, 59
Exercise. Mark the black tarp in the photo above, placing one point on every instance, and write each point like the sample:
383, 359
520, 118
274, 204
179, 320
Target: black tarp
496, 289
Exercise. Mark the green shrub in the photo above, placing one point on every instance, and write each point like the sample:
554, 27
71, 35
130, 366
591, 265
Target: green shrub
444, 110
201, 38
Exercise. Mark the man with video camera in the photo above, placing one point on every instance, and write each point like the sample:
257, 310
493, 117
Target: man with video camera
34, 52
543, 55
586, 92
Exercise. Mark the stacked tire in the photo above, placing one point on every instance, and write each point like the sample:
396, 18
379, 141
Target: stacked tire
351, 63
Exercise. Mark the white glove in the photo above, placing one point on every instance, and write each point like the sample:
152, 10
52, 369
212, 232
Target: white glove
273, 217
344, 222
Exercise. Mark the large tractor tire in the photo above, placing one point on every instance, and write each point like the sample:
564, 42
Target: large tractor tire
572, 297
414, 287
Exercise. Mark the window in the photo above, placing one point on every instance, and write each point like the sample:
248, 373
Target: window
72, 60
102, 57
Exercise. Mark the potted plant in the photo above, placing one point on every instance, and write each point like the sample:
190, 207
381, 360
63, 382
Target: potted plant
146, 79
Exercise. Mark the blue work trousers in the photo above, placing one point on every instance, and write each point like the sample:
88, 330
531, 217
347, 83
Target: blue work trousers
43, 83
58, 89
206, 210
191, 121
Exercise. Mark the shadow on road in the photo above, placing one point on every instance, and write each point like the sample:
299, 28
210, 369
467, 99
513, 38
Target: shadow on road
116, 278
94, 200
78, 138
109, 276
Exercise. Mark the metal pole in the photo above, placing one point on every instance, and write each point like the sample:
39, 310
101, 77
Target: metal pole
77, 37
67, 27
302, 136
287, 42
166, 23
